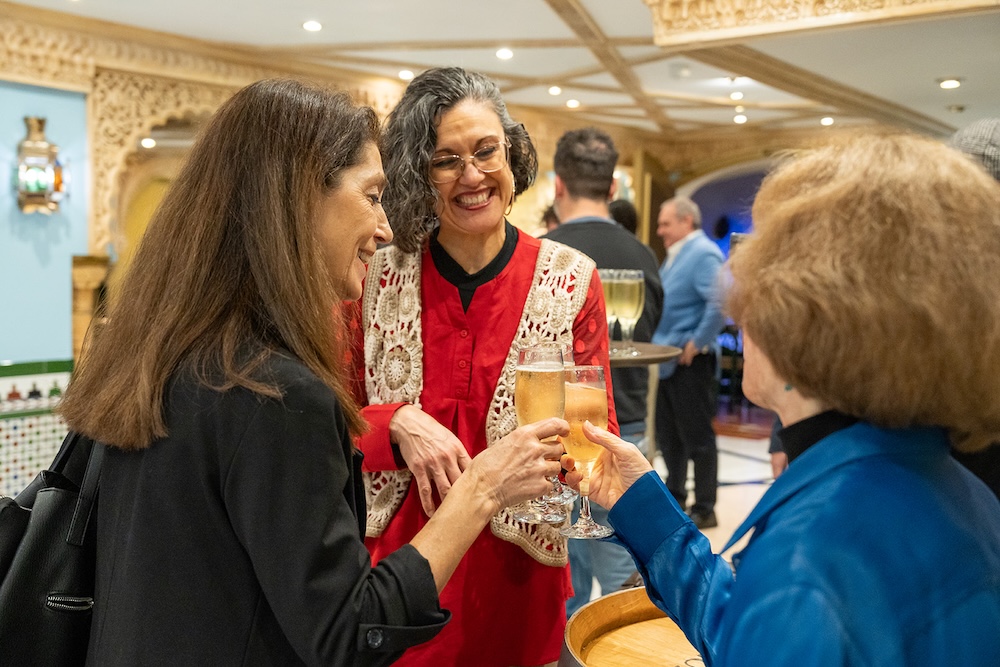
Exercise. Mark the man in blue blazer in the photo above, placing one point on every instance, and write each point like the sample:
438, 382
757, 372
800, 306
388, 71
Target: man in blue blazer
691, 320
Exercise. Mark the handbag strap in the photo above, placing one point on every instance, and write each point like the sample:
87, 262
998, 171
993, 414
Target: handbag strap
87, 498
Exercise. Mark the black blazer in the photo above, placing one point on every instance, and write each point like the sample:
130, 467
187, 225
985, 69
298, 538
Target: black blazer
238, 540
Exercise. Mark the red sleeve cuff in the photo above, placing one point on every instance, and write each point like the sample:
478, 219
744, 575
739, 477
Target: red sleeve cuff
380, 454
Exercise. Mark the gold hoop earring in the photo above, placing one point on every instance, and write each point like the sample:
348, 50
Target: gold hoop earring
510, 207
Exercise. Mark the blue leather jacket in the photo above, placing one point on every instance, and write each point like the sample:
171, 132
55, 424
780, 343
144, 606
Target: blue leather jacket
874, 548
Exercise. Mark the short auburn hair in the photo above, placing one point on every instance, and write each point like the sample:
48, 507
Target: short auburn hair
872, 283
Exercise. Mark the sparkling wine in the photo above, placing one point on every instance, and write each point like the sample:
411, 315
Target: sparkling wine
584, 403
539, 392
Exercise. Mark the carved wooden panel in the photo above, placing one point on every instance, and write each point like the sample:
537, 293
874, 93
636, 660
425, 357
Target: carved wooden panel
125, 107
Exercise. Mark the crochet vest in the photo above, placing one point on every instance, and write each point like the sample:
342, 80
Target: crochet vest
394, 368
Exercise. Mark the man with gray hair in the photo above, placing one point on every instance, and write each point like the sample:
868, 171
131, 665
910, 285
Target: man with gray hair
692, 319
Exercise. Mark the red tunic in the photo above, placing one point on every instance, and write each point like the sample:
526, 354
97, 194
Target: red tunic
508, 609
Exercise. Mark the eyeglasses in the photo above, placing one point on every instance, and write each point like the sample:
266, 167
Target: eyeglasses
489, 158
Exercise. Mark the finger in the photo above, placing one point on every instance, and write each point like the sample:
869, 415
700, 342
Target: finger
548, 427
463, 462
568, 462
442, 482
602, 437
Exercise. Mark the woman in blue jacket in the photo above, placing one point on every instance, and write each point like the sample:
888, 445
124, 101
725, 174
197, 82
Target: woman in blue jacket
868, 299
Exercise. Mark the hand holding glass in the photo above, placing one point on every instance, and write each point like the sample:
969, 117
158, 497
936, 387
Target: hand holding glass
586, 400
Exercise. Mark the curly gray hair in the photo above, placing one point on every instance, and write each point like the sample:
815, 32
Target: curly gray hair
411, 135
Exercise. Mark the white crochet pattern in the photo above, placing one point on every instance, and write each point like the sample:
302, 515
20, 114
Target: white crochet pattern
394, 368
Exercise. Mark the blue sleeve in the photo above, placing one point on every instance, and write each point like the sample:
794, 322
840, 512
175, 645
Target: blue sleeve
683, 577
708, 285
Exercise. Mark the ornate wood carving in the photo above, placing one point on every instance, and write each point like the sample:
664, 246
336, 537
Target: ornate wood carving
704, 22
125, 107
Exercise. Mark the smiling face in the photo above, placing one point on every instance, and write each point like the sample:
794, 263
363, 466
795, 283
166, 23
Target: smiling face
351, 223
473, 204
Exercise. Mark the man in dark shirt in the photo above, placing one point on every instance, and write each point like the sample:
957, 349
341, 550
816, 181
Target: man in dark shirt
584, 164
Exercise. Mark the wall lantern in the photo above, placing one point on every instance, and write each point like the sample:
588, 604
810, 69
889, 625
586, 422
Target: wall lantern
41, 183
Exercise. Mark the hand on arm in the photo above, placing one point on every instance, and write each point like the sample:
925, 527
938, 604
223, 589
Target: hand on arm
435, 456
512, 470
617, 468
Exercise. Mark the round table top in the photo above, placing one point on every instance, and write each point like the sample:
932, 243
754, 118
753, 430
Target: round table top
648, 354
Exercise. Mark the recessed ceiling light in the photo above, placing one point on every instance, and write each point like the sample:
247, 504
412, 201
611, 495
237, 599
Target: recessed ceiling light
405, 75
505, 53
148, 142
826, 121
312, 26
739, 108
736, 96
573, 104
555, 90
949, 84
739, 119
956, 108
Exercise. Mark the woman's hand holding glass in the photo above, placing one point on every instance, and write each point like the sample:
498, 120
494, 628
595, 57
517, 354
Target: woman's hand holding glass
617, 468
518, 467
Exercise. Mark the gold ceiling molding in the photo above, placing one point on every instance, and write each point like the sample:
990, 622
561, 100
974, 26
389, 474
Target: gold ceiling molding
703, 22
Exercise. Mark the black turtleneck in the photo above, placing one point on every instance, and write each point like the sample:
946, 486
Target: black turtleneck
456, 275
800, 436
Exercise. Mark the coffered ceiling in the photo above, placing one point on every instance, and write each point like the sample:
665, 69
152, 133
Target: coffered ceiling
602, 53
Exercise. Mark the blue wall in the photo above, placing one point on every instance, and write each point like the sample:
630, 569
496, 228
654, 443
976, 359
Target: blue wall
731, 198
36, 250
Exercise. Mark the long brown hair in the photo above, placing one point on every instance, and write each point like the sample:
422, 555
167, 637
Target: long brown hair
228, 270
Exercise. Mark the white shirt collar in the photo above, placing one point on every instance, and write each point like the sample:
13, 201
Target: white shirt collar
673, 250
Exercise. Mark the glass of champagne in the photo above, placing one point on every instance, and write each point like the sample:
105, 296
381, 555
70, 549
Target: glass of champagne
608, 279
540, 393
586, 399
630, 295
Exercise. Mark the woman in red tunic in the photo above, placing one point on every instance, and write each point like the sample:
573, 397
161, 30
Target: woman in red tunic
444, 312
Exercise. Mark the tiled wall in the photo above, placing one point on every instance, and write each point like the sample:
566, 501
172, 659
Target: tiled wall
30, 433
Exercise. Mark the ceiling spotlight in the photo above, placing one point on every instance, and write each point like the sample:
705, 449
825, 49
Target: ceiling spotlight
956, 108
573, 104
949, 84
680, 70
312, 26
555, 90
739, 108
148, 142
505, 53
736, 96
405, 75
826, 121
739, 119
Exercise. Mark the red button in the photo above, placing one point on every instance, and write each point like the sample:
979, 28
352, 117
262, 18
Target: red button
462, 364
464, 333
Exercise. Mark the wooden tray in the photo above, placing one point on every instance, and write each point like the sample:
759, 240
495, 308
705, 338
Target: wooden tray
625, 629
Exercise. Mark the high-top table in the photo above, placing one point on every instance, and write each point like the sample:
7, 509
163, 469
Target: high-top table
648, 354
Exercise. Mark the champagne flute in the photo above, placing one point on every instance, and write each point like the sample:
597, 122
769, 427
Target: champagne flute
586, 399
630, 293
540, 393
609, 278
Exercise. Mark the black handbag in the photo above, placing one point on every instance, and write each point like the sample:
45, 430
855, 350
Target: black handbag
47, 560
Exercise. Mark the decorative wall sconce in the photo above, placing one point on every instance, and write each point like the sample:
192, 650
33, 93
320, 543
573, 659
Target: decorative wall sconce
41, 182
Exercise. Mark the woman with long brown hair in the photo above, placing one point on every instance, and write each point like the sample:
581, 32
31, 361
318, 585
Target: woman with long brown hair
231, 506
